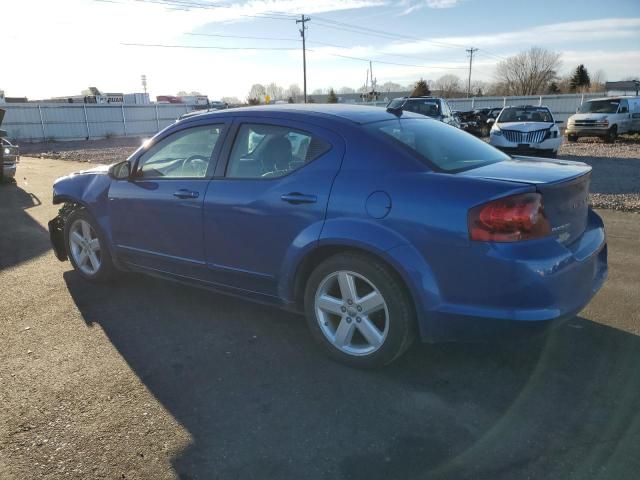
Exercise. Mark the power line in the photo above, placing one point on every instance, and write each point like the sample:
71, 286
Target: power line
384, 34
162, 45
389, 63
246, 37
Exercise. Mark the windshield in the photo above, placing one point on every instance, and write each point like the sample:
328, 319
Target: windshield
599, 106
396, 103
438, 145
428, 107
525, 114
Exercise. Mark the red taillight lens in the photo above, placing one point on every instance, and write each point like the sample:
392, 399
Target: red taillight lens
509, 219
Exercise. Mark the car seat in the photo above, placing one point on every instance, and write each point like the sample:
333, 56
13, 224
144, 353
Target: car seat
276, 155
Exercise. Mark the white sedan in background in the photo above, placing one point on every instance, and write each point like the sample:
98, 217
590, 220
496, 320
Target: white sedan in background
526, 130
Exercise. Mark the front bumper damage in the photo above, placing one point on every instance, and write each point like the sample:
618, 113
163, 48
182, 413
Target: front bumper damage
56, 231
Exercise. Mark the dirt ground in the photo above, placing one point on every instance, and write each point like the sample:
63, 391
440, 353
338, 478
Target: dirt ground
145, 379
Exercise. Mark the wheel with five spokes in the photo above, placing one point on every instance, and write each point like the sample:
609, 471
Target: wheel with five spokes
86, 247
359, 310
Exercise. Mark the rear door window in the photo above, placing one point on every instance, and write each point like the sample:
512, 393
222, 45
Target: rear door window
268, 151
437, 145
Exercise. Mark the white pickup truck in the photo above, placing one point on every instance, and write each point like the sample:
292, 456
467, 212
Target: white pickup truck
605, 118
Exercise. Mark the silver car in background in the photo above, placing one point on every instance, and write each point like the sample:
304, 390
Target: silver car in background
10, 155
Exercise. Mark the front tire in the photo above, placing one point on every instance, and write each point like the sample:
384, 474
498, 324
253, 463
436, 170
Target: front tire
359, 311
612, 134
86, 247
572, 138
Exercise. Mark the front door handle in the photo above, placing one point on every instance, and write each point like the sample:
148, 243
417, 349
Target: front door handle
184, 193
297, 198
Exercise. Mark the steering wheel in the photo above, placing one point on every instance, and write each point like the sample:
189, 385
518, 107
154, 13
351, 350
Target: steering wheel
196, 164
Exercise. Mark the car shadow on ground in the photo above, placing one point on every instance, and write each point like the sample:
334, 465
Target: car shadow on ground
261, 401
21, 237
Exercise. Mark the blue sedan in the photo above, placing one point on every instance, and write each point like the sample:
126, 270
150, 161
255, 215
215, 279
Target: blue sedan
380, 226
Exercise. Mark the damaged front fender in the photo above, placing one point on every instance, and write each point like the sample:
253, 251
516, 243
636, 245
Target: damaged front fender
56, 231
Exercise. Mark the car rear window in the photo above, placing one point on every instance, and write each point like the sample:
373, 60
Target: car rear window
439, 146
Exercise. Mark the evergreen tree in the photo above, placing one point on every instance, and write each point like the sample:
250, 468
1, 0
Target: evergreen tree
553, 88
580, 79
421, 89
332, 97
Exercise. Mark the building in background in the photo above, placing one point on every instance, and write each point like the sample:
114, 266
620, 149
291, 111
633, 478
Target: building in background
195, 100
627, 87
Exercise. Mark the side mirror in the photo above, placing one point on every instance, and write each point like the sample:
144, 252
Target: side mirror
491, 121
120, 171
559, 122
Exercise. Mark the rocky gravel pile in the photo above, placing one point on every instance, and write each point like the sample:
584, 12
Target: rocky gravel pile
615, 181
104, 151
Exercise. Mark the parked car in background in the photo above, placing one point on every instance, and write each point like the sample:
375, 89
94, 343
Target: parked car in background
478, 122
526, 130
605, 118
380, 226
433, 107
10, 157
9, 154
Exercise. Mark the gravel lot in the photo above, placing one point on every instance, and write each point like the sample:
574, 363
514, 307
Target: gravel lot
615, 181
145, 379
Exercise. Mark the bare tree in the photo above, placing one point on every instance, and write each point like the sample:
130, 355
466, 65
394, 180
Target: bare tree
391, 87
318, 91
449, 85
528, 72
598, 80
345, 90
231, 100
275, 91
256, 92
294, 91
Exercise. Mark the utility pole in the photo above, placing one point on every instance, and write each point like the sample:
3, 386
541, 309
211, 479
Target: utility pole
471, 51
143, 78
303, 20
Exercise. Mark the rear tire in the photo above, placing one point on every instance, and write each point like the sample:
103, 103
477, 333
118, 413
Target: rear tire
612, 134
86, 247
359, 311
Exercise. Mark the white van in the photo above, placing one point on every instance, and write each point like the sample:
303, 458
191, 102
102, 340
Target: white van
605, 118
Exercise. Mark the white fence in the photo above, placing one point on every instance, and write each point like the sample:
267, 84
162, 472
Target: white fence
38, 122
33, 122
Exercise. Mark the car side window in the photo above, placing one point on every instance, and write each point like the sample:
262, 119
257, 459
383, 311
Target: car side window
271, 151
624, 107
184, 154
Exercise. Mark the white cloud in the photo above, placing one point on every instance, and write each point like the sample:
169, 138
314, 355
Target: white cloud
442, 3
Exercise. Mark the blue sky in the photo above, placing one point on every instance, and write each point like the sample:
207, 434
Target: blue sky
61, 51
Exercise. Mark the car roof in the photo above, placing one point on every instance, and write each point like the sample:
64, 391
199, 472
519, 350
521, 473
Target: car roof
359, 114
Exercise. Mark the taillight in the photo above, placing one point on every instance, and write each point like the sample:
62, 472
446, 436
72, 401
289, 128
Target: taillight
509, 219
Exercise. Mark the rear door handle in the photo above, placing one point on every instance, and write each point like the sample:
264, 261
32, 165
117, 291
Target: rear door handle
297, 198
184, 193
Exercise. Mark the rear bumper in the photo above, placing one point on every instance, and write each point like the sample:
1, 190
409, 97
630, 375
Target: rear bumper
517, 288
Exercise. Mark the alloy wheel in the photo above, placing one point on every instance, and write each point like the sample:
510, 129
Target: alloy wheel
352, 313
85, 247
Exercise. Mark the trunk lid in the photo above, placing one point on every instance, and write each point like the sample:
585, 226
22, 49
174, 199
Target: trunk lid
564, 187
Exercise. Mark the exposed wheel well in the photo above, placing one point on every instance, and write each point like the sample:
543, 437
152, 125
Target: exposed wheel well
316, 257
